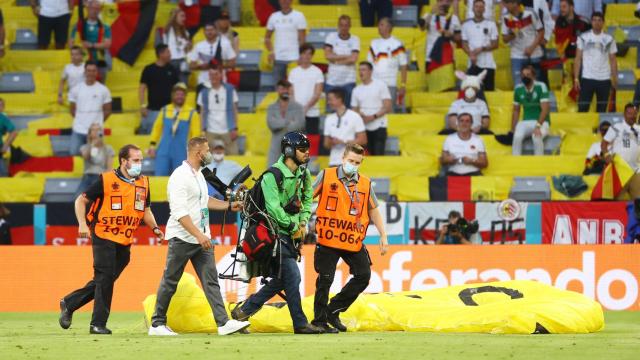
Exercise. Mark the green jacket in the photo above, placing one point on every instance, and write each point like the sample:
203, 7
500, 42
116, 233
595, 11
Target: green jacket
275, 200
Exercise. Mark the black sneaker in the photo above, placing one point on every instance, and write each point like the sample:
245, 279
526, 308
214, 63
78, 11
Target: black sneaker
99, 330
238, 314
65, 315
308, 329
334, 320
326, 328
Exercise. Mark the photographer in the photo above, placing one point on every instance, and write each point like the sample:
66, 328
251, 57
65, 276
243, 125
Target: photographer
455, 232
189, 237
288, 203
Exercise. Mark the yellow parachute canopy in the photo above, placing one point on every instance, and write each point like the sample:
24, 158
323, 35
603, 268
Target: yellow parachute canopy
508, 307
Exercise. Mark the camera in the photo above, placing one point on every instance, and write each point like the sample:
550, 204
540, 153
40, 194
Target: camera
235, 190
464, 227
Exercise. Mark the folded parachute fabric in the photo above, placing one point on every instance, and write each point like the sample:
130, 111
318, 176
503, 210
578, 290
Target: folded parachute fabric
508, 307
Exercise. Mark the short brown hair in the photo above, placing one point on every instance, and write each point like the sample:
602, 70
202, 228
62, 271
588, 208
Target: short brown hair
307, 47
125, 152
344, 17
196, 141
354, 148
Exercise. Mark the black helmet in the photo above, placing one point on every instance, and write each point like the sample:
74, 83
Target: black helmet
293, 140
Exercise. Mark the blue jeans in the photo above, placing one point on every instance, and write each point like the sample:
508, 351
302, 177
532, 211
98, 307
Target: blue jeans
3, 168
146, 125
289, 281
280, 70
517, 64
347, 88
76, 141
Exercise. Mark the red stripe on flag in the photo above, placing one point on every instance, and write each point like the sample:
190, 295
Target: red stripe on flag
459, 188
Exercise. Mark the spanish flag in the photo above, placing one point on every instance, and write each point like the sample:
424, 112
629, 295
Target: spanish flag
614, 177
440, 67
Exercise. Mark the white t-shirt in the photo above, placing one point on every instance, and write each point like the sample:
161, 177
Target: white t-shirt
369, 100
217, 117
459, 148
177, 45
387, 55
89, 101
625, 142
337, 74
304, 82
204, 51
285, 30
529, 24
344, 128
433, 34
595, 54
489, 6
73, 74
596, 149
54, 8
478, 109
187, 195
479, 35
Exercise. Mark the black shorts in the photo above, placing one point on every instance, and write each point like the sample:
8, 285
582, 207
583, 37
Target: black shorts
58, 25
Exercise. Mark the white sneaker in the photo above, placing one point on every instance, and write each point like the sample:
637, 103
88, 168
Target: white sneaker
232, 326
161, 330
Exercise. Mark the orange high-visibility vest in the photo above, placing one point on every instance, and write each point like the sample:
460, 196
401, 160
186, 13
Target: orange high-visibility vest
342, 216
120, 211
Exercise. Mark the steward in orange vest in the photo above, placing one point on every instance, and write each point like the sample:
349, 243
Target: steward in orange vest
346, 205
120, 203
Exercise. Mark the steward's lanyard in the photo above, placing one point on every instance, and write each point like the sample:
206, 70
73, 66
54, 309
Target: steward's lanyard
354, 196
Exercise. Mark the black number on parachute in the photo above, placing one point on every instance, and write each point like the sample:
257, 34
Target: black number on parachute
466, 295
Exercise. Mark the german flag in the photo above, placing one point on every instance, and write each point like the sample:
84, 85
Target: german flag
614, 177
440, 67
130, 31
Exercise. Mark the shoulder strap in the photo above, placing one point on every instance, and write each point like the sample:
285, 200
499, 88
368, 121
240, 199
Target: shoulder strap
277, 174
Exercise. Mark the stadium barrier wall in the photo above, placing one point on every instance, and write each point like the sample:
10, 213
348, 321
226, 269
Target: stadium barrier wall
407, 223
34, 278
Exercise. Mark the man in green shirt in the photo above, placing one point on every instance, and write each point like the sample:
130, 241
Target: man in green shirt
6, 126
291, 221
533, 97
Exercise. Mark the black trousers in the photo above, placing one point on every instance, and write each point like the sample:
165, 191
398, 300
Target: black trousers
109, 260
370, 8
489, 83
376, 141
325, 261
588, 87
59, 26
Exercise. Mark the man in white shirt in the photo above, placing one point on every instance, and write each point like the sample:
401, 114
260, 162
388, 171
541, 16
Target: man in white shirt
72, 74
489, 12
341, 127
524, 32
372, 100
623, 138
596, 59
218, 103
341, 49
464, 152
479, 40
290, 28
387, 54
213, 47
306, 83
89, 102
189, 235
53, 18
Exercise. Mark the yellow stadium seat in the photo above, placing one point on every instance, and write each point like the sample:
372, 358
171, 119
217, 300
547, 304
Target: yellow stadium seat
623, 97
117, 142
327, 16
411, 188
621, 14
258, 165
47, 175
501, 165
393, 166
574, 123
490, 188
16, 190
585, 196
130, 120
575, 144
39, 146
56, 121
268, 100
158, 188
30, 104
406, 124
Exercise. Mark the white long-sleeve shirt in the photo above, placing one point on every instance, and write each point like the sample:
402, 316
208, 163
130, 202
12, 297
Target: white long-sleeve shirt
188, 195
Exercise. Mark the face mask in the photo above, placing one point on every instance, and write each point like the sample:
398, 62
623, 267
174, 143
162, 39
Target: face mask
284, 96
218, 157
349, 168
135, 170
206, 159
470, 93
527, 80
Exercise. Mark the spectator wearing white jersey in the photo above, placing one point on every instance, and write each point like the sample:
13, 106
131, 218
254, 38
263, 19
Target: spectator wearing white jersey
388, 56
464, 152
307, 81
341, 49
623, 137
289, 28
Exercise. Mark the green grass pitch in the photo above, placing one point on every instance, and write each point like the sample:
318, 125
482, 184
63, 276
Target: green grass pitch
38, 336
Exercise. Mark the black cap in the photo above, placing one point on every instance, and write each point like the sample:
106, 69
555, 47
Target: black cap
294, 139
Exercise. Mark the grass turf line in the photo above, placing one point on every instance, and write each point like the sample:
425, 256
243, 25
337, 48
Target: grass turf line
38, 336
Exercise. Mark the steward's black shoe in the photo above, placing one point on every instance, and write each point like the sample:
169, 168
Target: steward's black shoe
308, 329
334, 320
99, 330
326, 328
65, 315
